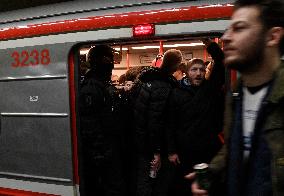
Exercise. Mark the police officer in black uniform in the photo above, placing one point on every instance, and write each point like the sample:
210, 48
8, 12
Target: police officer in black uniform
101, 131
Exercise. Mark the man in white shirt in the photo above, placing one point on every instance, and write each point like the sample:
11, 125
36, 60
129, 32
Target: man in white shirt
252, 159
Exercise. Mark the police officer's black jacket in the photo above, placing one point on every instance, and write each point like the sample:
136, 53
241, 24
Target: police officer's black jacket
100, 124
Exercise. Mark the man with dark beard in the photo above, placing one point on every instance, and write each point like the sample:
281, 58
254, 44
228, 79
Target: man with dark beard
195, 118
252, 161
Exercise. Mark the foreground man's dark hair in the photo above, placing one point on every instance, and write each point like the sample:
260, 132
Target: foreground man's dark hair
271, 14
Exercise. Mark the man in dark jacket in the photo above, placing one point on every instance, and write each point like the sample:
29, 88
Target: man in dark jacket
252, 157
196, 117
149, 117
100, 128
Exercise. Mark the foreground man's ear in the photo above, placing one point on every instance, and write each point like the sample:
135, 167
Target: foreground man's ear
274, 36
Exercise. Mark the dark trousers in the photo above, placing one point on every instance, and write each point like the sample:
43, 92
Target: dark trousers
165, 178
144, 183
105, 177
170, 181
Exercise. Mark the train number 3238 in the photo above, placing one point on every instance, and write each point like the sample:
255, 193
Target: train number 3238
33, 58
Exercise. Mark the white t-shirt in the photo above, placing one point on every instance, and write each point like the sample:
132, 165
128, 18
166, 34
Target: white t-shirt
251, 106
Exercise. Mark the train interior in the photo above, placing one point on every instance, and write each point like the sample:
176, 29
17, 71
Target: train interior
144, 52
133, 53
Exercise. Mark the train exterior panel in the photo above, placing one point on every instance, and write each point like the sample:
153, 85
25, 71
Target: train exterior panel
39, 79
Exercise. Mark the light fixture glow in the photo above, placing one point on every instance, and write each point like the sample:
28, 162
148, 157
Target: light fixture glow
118, 49
84, 51
169, 46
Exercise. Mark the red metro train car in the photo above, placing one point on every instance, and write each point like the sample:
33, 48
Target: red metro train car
40, 50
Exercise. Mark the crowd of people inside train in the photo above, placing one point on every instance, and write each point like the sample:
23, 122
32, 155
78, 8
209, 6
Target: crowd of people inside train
144, 137
151, 123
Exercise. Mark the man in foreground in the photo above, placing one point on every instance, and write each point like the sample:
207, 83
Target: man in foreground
253, 158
